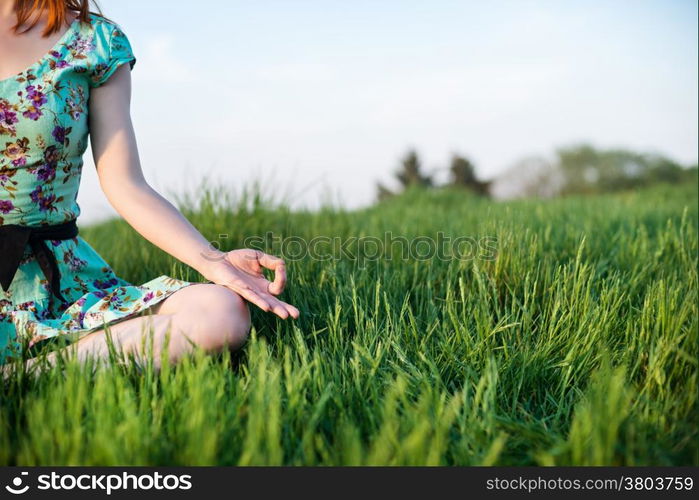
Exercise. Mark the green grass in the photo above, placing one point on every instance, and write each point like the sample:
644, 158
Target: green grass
576, 345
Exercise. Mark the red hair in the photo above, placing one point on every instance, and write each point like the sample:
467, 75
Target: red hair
57, 11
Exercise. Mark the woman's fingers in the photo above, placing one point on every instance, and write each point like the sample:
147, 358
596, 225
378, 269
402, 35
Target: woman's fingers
280, 308
279, 267
293, 312
267, 303
254, 298
288, 308
280, 311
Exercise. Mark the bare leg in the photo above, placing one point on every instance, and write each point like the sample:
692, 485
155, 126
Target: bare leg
203, 315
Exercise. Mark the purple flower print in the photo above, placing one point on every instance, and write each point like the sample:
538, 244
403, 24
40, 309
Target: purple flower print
59, 133
37, 99
74, 109
74, 262
148, 297
8, 117
35, 95
81, 46
103, 284
17, 151
58, 62
51, 155
45, 172
32, 113
21, 161
6, 206
36, 194
109, 300
45, 201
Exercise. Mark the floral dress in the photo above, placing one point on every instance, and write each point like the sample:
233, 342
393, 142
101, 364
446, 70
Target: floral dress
43, 135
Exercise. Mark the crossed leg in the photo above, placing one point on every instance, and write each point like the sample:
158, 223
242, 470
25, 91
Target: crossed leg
205, 315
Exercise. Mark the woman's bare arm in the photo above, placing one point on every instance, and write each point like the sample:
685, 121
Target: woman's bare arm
121, 178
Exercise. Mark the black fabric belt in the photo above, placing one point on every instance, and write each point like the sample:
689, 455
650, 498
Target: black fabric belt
13, 241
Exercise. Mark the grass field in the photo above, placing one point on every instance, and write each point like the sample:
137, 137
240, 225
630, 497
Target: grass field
575, 344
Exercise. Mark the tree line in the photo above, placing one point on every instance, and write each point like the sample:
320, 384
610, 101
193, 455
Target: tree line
577, 169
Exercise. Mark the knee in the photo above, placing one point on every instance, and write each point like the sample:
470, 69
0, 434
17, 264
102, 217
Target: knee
224, 320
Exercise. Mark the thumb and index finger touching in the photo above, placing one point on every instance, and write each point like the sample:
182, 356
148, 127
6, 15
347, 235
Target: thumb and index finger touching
277, 265
276, 287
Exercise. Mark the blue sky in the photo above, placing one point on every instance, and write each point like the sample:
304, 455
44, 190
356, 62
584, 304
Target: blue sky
319, 99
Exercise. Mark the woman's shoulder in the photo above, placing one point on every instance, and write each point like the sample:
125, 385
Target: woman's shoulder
98, 21
102, 26
101, 46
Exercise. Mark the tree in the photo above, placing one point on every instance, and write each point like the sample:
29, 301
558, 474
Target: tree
410, 172
463, 175
590, 170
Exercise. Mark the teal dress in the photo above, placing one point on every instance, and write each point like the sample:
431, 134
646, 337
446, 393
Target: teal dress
43, 136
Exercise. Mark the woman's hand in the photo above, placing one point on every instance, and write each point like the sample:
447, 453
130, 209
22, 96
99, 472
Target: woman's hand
241, 271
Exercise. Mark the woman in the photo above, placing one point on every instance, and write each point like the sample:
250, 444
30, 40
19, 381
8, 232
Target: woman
64, 71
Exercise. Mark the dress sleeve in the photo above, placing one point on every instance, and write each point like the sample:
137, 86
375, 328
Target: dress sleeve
114, 51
